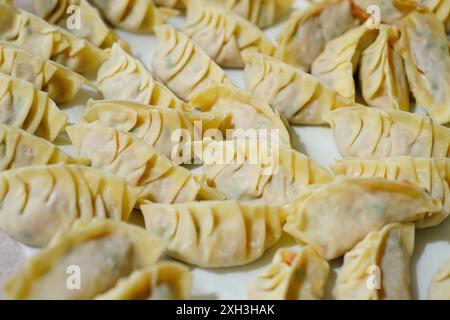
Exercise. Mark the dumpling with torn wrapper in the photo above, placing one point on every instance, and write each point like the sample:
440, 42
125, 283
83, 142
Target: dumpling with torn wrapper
38, 201
334, 217
215, 233
104, 251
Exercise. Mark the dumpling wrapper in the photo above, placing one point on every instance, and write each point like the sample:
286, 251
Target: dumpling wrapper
248, 113
163, 281
336, 216
378, 267
215, 233
182, 65
441, 9
133, 15
382, 74
222, 34
292, 275
123, 77
177, 4
156, 126
339, 60
61, 83
105, 252
139, 164
432, 174
249, 170
298, 96
92, 27
263, 13
22, 149
424, 47
364, 132
391, 11
38, 201
48, 41
304, 36
439, 288
25, 107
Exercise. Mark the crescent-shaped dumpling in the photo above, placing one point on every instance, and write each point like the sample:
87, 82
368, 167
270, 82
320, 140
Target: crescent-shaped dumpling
215, 233
85, 262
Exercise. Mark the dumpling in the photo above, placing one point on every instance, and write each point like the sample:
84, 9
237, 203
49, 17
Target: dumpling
157, 126
439, 288
103, 251
92, 27
177, 4
23, 106
391, 11
124, 77
48, 41
298, 96
139, 164
292, 275
441, 9
222, 34
305, 34
61, 83
382, 74
378, 267
22, 149
40, 200
424, 47
263, 13
432, 174
163, 281
248, 113
182, 65
364, 132
339, 60
215, 233
256, 170
133, 15
334, 217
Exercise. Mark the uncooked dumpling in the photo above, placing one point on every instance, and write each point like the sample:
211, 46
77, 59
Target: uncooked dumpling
92, 27
424, 47
156, 126
249, 114
263, 13
38, 201
378, 268
215, 233
133, 15
256, 170
339, 60
298, 96
432, 174
60, 82
22, 149
48, 41
439, 288
222, 34
292, 275
103, 251
139, 164
163, 281
182, 65
364, 132
382, 73
334, 217
23, 106
123, 77
307, 31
